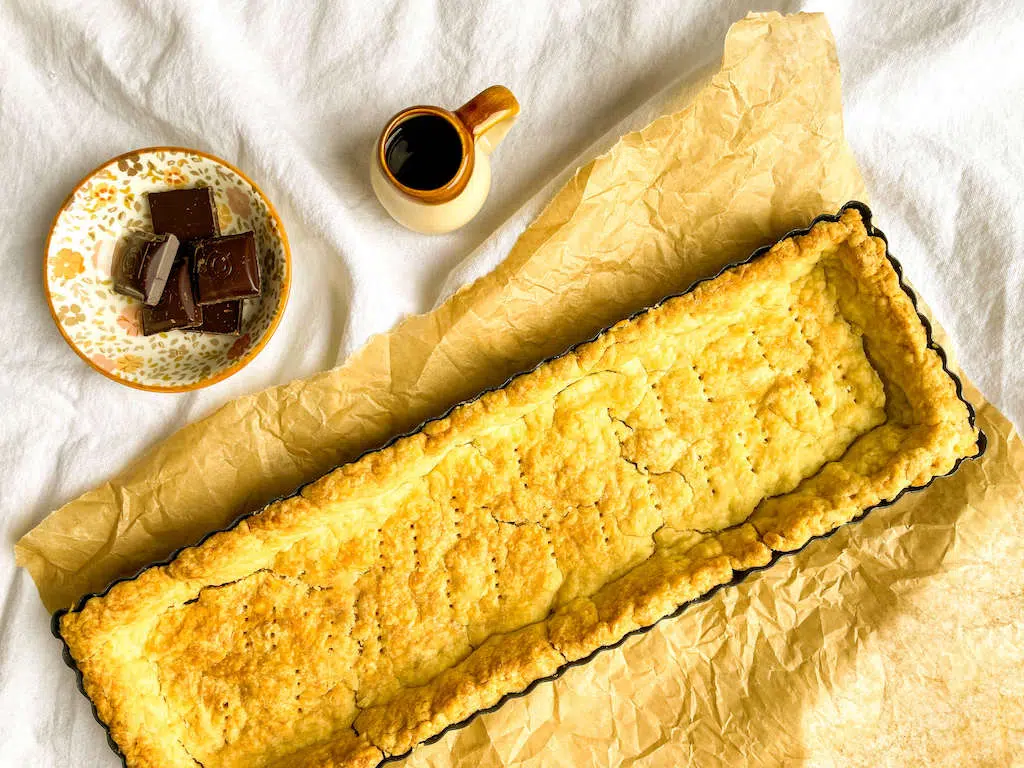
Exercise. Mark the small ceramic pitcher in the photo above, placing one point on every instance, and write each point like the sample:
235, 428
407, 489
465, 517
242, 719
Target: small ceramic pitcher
430, 167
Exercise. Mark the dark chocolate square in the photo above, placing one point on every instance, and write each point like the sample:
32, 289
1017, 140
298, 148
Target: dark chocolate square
226, 268
177, 307
189, 214
142, 265
225, 318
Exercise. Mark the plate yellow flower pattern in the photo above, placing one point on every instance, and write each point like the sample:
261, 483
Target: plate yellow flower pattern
104, 327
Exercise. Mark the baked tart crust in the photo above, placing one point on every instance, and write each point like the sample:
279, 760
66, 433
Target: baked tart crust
584, 500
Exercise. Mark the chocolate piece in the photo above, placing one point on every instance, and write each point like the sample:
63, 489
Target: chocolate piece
177, 308
187, 213
226, 268
142, 265
225, 317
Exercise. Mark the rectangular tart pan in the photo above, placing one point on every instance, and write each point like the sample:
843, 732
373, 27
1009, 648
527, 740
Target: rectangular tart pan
738, 577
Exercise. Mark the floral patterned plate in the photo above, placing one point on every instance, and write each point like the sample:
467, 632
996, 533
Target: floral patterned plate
104, 327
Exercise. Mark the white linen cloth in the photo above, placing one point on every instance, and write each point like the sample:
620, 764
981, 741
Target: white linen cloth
295, 92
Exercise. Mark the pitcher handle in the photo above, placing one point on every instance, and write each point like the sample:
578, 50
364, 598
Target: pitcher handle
489, 115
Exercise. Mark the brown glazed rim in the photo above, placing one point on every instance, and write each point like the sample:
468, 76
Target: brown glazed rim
738, 576
457, 183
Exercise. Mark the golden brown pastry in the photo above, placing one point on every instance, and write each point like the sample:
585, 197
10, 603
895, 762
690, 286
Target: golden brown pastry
403, 592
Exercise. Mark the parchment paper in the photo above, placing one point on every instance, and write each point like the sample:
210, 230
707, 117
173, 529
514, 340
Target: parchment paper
896, 641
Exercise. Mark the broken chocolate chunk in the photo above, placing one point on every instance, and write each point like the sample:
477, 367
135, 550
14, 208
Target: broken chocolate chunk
226, 268
142, 265
177, 308
189, 214
225, 317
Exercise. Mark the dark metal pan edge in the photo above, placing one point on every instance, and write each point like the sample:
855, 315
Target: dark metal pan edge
738, 576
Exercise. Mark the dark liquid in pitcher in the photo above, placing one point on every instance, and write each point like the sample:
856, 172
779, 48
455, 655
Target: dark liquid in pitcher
423, 152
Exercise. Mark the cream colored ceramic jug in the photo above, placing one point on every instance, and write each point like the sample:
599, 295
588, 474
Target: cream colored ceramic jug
430, 167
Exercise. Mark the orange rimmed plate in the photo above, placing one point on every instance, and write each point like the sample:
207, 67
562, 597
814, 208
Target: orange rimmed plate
105, 328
